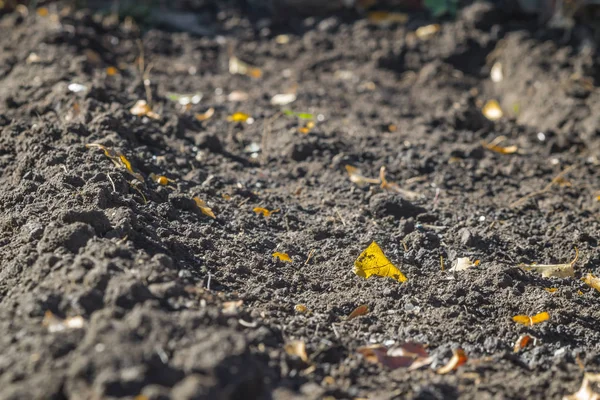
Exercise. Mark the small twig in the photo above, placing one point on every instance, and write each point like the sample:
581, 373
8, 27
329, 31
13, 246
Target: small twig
113, 184
208, 281
337, 335
316, 331
340, 215
405, 245
310, 254
546, 188
442, 262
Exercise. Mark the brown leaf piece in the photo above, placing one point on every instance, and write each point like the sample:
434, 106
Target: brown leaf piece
407, 355
358, 311
297, 348
458, 358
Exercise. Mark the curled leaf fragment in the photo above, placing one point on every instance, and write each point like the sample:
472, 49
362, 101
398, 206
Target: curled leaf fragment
492, 111
494, 145
204, 208
458, 358
55, 324
266, 213
463, 263
118, 159
358, 311
531, 320
427, 31
372, 261
407, 355
297, 348
592, 281
282, 256
553, 270
160, 179
141, 108
301, 308
521, 343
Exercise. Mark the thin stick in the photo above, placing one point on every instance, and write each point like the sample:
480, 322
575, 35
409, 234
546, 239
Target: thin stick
546, 188
340, 215
310, 254
208, 282
113, 184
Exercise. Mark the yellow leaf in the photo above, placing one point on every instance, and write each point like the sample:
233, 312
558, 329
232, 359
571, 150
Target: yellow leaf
372, 261
494, 145
592, 281
160, 179
530, 321
226, 196
492, 111
264, 211
553, 270
458, 358
282, 256
306, 128
204, 208
110, 71
117, 158
238, 117
301, 308
551, 289
297, 348
42, 12
427, 31
206, 115
358, 311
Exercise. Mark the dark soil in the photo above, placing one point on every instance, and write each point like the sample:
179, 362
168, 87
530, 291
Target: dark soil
150, 276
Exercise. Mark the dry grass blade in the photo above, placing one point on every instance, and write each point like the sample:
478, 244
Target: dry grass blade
553, 270
358, 311
557, 180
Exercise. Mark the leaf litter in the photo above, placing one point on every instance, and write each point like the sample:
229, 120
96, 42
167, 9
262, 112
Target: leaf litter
297, 348
407, 355
458, 358
586, 391
494, 146
531, 320
372, 261
464, 263
282, 256
118, 159
266, 213
204, 208
553, 270
357, 312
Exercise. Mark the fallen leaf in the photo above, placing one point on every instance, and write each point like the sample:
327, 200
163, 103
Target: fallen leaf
463, 263
521, 343
204, 208
205, 115
372, 261
141, 109
427, 31
237, 66
226, 196
531, 320
42, 12
553, 270
160, 179
551, 289
282, 256
580, 293
496, 73
111, 71
586, 391
592, 281
358, 311
492, 111
266, 213
494, 145
407, 355
301, 308
385, 18
297, 348
232, 307
118, 159
55, 324
356, 176
283, 99
458, 358
239, 117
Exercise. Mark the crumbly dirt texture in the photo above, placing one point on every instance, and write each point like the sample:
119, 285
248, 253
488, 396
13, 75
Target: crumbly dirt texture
154, 278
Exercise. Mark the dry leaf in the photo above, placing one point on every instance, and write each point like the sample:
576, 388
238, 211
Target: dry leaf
141, 109
521, 343
592, 281
356, 177
586, 391
204, 208
531, 320
282, 256
407, 355
358, 311
551, 289
494, 145
232, 307
463, 263
118, 159
237, 96
301, 308
372, 261
297, 348
160, 179
239, 117
237, 66
496, 72
427, 31
458, 358
42, 12
283, 99
55, 324
386, 18
264, 211
553, 270
492, 111
205, 115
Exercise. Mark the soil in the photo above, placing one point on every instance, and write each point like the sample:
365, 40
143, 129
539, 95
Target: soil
153, 277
